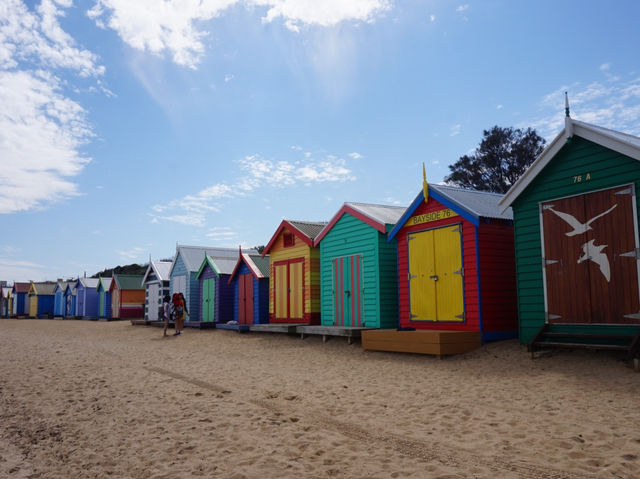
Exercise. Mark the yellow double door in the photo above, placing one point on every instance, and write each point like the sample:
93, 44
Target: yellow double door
289, 289
436, 275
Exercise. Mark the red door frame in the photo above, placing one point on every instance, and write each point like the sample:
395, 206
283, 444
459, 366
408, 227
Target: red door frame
288, 262
245, 299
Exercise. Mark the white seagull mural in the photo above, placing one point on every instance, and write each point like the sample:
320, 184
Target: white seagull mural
579, 228
594, 253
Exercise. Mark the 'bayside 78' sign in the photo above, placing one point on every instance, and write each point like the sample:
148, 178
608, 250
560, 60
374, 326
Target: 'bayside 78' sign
432, 216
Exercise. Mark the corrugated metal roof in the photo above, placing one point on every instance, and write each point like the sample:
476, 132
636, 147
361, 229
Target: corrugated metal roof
45, 288
192, 256
630, 140
129, 281
21, 287
62, 285
261, 263
482, 204
309, 228
381, 213
623, 143
89, 283
224, 265
162, 269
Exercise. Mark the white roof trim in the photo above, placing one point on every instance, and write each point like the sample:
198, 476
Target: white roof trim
584, 130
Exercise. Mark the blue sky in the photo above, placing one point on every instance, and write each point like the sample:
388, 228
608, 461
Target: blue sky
127, 127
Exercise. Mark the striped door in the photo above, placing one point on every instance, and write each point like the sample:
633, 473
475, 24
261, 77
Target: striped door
289, 289
245, 299
435, 275
208, 299
347, 291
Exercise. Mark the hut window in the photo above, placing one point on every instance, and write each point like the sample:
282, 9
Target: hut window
289, 239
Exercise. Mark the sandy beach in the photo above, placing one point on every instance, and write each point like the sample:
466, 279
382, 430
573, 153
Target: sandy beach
94, 399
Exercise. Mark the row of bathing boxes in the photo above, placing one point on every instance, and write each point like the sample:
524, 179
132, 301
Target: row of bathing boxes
557, 254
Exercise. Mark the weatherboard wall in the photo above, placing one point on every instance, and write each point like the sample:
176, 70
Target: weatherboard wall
350, 236
223, 298
488, 265
260, 295
192, 287
563, 176
310, 257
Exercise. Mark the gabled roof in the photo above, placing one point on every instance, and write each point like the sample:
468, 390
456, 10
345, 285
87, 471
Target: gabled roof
623, 143
61, 286
218, 265
44, 288
71, 289
105, 281
307, 231
87, 283
21, 287
160, 269
257, 264
376, 216
192, 256
127, 281
470, 204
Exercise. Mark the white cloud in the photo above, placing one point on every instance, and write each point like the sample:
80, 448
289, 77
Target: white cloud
499, 107
26, 35
463, 8
41, 130
605, 67
326, 13
455, 129
228, 77
159, 26
256, 173
132, 254
23, 270
612, 104
221, 233
355, 155
432, 18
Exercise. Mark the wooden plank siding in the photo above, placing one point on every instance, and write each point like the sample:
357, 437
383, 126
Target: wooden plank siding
470, 281
311, 272
607, 169
349, 236
192, 287
497, 277
260, 296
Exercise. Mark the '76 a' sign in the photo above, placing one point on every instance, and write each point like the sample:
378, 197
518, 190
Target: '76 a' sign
432, 216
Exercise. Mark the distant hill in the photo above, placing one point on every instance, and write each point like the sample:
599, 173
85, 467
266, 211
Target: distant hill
126, 269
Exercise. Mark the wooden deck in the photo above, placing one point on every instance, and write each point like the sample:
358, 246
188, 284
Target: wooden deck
438, 343
350, 332
243, 328
288, 328
200, 324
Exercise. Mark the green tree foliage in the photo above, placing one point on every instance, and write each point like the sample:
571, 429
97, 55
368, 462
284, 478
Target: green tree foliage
126, 269
502, 157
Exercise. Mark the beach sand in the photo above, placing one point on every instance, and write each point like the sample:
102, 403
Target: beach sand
95, 399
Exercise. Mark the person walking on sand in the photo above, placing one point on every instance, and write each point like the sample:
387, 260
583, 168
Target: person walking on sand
166, 313
180, 311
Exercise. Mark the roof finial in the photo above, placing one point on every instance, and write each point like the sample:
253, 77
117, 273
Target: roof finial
566, 105
425, 185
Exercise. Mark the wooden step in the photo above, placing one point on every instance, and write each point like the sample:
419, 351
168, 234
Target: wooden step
549, 334
557, 344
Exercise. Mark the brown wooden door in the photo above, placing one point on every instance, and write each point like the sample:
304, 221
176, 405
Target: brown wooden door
245, 299
590, 262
